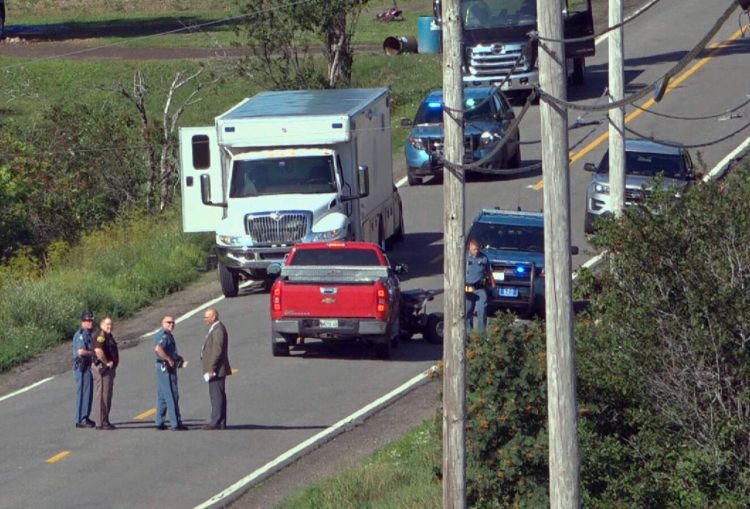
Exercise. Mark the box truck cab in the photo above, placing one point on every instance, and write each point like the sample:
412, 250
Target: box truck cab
287, 167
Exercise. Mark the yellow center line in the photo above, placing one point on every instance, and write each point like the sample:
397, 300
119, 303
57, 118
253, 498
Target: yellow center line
57, 457
145, 415
674, 83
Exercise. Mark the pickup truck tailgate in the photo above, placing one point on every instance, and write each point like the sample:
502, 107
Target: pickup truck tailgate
329, 300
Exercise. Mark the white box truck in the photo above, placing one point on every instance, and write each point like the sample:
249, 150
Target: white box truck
286, 167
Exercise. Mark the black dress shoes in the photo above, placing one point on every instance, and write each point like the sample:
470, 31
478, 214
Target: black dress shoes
85, 424
161, 427
106, 426
180, 428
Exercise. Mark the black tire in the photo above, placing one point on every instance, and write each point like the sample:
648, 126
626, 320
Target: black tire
515, 161
280, 349
412, 179
230, 281
588, 223
578, 77
433, 332
399, 235
383, 347
382, 241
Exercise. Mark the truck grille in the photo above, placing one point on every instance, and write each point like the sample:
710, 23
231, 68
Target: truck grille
488, 61
277, 227
635, 195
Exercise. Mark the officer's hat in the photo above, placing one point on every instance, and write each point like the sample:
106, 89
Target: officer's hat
87, 315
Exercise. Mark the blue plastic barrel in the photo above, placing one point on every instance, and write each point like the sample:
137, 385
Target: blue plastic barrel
428, 35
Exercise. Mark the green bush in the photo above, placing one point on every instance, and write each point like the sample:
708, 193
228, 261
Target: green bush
506, 430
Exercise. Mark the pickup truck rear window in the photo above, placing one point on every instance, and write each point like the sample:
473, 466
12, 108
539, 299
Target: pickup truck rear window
339, 257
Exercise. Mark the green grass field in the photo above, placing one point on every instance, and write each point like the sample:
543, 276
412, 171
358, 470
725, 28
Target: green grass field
185, 23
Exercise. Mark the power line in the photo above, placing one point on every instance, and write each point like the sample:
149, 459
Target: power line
535, 35
648, 89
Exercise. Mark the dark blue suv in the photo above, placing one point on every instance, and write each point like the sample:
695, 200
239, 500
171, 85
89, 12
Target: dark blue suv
486, 119
514, 243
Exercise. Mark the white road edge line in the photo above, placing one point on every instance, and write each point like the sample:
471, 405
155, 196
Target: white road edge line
196, 310
243, 485
27, 388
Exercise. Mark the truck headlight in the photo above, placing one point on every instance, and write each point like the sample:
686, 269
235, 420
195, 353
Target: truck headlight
601, 188
417, 143
487, 138
337, 234
229, 240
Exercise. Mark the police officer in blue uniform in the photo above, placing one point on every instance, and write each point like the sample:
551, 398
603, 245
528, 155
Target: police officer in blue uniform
82, 357
167, 362
478, 278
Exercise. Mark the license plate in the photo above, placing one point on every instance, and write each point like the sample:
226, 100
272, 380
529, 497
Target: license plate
329, 324
507, 291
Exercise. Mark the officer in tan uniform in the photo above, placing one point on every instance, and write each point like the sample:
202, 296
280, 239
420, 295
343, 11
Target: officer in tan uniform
105, 368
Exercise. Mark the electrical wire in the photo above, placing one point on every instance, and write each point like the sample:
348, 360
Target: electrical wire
702, 117
648, 89
535, 34
687, 145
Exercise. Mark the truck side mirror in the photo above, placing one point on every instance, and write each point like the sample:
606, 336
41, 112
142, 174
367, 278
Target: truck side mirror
506, 115
363, 174
206, 189
589, 167
274, 269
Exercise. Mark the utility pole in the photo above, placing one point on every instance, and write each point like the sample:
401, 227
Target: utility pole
616, 116
564, 489
454, 347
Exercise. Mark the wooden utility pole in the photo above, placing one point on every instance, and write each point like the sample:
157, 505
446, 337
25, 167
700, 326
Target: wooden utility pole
564, 472
454, 348
616, 116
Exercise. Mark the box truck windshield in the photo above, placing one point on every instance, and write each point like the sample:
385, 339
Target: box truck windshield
284, 175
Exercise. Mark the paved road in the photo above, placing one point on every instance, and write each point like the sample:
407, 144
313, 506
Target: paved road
276, 403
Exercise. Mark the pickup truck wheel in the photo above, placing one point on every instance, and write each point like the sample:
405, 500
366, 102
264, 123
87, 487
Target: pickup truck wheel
280, 349
398, 236
230, 284
433, 333
383, 348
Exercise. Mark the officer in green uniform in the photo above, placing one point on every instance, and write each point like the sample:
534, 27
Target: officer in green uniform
82, 355
478, 278
105, 368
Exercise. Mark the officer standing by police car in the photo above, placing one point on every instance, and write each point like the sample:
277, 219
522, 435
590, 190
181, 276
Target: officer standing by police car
82, 357
167, 362
478, 278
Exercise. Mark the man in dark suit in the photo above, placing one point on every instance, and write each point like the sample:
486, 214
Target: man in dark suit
215, 361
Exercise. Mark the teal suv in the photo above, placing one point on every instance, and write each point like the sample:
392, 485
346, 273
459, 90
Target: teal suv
487, 116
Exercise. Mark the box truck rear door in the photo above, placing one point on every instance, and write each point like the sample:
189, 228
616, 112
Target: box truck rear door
199, 155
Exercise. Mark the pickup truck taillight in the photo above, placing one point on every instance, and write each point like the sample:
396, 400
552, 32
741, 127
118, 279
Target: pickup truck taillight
276, 300
381, 301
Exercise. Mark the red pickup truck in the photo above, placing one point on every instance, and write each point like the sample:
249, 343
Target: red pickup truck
335, 291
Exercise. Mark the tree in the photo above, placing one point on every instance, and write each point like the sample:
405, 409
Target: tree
280, 35
158, 135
